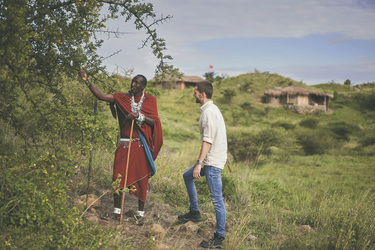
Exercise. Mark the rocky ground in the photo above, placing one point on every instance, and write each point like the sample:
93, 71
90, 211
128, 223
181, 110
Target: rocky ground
161, 229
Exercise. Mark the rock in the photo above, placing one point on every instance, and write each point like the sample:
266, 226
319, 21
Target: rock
130, 213
305, 229
91, 199
157, 231
189, 227
161, 247
251, 237
211, 222
92, 219
157, 216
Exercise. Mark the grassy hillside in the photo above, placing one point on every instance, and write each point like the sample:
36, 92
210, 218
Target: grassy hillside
291, 182
297, 181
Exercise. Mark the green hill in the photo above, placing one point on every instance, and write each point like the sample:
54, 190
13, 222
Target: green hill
291, 181
255, 84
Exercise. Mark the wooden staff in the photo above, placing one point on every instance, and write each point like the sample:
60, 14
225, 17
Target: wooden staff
91, 151
126, 171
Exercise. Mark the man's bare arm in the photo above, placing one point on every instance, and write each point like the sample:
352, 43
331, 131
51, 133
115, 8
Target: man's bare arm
95, 90
100, 95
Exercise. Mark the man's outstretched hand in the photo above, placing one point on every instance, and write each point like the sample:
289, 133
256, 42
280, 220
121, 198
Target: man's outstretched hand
83, 75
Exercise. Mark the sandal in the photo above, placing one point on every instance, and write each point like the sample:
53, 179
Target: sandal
139, 220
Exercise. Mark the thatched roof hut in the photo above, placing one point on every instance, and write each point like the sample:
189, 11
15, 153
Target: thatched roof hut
298, 96
179, 83
295, 90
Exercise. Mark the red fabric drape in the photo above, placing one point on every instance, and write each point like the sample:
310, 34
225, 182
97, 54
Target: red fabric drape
153, 135
139, 169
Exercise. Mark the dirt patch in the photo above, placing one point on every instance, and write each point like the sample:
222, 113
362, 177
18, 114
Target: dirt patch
161, 229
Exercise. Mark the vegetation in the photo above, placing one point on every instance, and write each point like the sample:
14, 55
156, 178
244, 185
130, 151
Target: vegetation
296, 181
292, 181
308, 180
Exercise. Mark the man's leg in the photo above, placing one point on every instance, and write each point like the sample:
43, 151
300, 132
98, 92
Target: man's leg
140, 213
193, 214
213, 177
191, 189
117, 205
141, 205
141, 209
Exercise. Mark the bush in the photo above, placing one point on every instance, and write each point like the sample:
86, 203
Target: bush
342, 130
228, 96
246, 146
152, 91
319, 142
311, 123
368, 138
366, 101
285, 125
237, 115
34, 204
247, 107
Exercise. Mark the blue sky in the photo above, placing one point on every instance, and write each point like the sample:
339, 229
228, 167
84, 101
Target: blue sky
314, 41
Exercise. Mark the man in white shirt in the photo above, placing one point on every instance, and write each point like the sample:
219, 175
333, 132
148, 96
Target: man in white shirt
210, 163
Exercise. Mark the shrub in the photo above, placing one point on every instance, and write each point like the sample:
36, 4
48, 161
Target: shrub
285, 125
342, 130
311, 123
366, 101
247, 107
246, 146
317, 142
152, 91
368, 138
228, 95
246, 86
237, 114
34, 203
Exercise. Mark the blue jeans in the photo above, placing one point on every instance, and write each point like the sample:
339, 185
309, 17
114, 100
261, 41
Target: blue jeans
213, 178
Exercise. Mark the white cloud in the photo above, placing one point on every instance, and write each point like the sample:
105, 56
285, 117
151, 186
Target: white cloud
201, 20
196, 21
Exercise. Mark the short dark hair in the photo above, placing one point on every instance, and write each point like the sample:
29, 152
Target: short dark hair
142, 78
205, 87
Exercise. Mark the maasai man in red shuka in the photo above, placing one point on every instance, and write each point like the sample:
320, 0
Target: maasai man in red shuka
147, 139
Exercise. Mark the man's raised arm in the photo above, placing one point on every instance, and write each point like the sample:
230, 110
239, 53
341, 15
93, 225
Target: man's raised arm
95, 90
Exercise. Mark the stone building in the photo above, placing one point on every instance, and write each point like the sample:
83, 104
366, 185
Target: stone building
298, 99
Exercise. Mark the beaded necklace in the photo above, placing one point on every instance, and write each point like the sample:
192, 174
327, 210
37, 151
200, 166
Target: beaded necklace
136, 107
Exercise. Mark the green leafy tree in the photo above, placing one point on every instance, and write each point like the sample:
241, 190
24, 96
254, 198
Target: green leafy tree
209, 76
46, 113
45, 42
228, 95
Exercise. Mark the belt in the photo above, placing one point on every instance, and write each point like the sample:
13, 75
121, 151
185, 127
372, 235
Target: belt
128, 139
125, 142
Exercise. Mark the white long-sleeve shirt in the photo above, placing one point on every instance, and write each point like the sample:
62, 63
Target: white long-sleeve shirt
212, 130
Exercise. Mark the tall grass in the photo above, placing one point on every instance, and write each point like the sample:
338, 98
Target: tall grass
304, 204
283, 200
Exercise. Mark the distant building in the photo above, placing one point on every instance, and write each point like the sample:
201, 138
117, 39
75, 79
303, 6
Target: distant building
298, 99
178, 83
